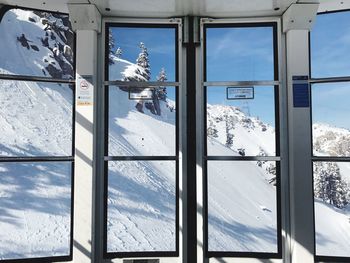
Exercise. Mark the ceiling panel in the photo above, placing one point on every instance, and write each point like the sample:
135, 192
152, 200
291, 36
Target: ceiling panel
213, 8
143, 5
237, 5
173, 8
331, 5
52, 5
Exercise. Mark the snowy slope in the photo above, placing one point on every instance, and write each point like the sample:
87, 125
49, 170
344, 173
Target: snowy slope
37, 58
34, 210
33, 115
239, 221
332, 230
141, 194
132, 132
134, 215
35, 120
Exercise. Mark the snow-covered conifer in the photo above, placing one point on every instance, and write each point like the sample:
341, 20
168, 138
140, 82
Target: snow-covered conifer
329, 186
111, 46
161, 91
229, 135
118, 52
143, 61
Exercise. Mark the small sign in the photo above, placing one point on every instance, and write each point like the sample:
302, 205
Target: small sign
301, 97
140, 94
240, 93
85, 91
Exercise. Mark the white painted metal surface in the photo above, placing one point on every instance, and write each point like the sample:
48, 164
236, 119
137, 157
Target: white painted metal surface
300, 167
299, 16
85, 17
173, 8
86, 65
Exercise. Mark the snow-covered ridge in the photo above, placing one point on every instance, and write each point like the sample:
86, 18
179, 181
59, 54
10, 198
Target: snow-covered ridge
233, 128
330, 140
122, 69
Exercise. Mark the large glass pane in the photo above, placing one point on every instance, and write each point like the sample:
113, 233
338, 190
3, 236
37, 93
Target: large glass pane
35, 119
141, 206
239, 53
35, 209
142, 126
36, 43
142, 53
241, 126
330, 116
242, 213
330, 49
332, 208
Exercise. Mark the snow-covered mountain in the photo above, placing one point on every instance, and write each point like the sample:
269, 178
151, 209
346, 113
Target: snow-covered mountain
330, 140
35, 119
233, 128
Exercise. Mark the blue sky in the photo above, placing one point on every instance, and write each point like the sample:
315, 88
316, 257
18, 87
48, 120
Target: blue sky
242, 54
330, 57
236, 54
330, 104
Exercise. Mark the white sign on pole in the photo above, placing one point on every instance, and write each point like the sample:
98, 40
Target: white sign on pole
140, 94
85, 91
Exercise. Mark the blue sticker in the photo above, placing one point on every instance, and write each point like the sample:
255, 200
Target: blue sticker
301, 98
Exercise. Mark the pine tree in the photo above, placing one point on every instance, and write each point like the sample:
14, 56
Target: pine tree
241, 151
161, 91
111, 45
118, 52
143, 61
261, 153
162, 76
229, 136
212, 131
329, 186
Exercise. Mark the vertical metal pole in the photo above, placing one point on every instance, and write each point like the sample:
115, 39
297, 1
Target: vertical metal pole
84, 164
191, 144
301, 199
